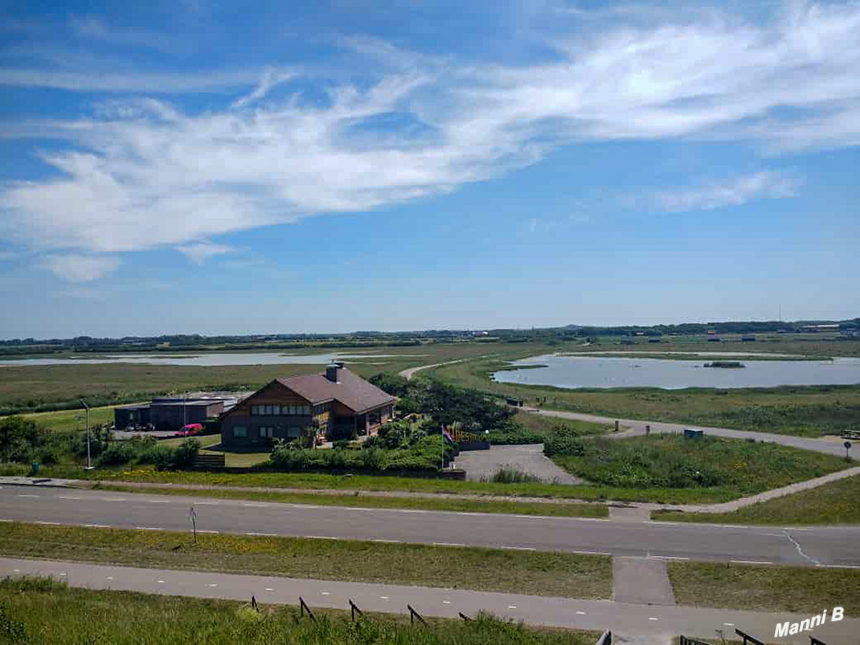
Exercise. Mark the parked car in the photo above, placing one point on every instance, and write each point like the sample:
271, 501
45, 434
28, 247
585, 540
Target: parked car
189, 430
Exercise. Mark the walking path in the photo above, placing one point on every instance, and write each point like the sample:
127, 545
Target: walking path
637, 623
481, 465
411, 371
641, 581
637, 428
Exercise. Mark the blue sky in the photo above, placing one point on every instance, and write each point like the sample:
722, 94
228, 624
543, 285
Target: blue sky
180, 167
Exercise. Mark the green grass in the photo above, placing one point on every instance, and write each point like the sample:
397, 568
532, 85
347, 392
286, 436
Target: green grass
65, 419
811, 411
834, 503
366, 501
672, 461
323, 481
529, 572
802, 590
49, 612
205, 440
546, 425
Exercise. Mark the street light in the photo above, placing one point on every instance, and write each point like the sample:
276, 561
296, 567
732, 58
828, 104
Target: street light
89, 461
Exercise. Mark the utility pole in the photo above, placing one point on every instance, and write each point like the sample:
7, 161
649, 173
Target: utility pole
89, 460
184, 413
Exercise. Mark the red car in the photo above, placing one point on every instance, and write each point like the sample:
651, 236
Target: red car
189, 430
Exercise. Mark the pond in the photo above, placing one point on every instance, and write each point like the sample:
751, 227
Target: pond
199, 360
575, 372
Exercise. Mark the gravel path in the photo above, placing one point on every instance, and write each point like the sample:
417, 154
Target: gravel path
483, 464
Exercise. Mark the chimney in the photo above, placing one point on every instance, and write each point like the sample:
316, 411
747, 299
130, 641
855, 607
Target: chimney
331, 372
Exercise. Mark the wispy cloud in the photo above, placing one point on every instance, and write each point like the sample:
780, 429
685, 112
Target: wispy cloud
199, 252
143, 174
90, 27
80, 268
733, 192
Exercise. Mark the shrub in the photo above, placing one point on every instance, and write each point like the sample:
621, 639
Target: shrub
508, 475
562, 443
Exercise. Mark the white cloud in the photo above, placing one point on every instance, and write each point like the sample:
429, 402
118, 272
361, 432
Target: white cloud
80, 268
90, 27
199, 252
147, 173
734, 192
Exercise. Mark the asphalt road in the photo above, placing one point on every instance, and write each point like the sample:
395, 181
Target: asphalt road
634, 623
826, 546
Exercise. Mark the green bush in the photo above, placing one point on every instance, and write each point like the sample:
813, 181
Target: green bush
563, 443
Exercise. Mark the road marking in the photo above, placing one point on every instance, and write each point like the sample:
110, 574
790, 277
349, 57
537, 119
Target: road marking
161, 582
206, 531
67, 497
838, 566
666, 557
519, 548
269, 589
652, 618
97, 526
213, 585
321, 537
446, 602
383, 597
447, 544
27, 495
48, 523
207, 503
62, 574
5, 520
324, 593
110, 577
254, 504
112, 499
512, 606
263, 534
580, 613
148, 528
591, 552
750, 562
16, 570
157, 501
729, 624
385, 541
411, 510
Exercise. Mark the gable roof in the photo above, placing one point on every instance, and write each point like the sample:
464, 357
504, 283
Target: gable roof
351, 390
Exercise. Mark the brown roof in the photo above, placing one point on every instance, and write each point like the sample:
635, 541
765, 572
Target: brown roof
350, 390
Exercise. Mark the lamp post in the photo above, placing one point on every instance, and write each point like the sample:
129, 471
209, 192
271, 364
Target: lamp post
89, 461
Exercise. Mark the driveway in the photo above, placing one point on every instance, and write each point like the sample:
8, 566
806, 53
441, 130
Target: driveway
483, 464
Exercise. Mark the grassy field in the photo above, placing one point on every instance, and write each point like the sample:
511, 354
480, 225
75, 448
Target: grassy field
321, 481
834, 503
365, 501
765, 588
672, 461
64, 420
804, 411
546, 425
32, 610
530, 572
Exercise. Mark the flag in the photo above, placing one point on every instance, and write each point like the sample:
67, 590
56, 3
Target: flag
447, 435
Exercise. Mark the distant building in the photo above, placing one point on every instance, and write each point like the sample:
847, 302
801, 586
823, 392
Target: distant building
171, 413
748, 339
335, 403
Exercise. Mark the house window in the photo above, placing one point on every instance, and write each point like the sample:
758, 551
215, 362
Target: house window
294, 432
266, 432
306, 410
276, 410
240, 432
255, 410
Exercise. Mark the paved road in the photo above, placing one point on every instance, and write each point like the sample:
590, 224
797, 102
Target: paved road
637, 427
833, 546
481, 465
633, 622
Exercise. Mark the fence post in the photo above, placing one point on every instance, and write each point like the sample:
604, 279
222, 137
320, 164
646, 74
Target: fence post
303, 607
254, 604
815, 641
414, 614
606, 638
354, 609
467, 619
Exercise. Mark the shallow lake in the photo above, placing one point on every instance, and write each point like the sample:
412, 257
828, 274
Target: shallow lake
575, 372
199, 360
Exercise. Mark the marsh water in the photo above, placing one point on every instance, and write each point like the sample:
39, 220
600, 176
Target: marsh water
198, 360
574, 372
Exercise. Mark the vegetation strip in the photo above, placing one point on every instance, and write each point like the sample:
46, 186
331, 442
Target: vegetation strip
32, 609
365, 501
801, 590
834, 503
481, 569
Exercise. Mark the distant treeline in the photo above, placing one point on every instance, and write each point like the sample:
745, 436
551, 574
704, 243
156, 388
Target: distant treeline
361, 339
